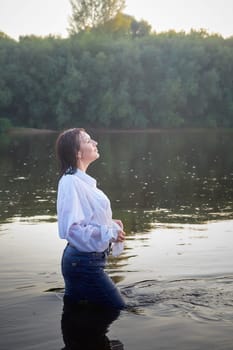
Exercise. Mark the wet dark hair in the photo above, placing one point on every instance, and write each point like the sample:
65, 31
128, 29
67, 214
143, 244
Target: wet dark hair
67, 146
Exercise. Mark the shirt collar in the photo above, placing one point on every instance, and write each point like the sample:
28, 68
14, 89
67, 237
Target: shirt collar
85, 177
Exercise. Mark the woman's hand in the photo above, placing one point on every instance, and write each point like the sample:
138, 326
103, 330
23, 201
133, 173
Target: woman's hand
121, 233
120, 236
119, 222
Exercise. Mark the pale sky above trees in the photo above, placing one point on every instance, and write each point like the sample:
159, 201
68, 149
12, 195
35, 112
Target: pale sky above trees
46, 17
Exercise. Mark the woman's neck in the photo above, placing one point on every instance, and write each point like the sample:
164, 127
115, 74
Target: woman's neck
82, 166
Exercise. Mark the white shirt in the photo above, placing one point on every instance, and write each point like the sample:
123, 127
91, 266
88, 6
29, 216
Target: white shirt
84, 214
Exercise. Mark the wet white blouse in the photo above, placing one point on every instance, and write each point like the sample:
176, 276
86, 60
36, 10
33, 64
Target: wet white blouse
84, 214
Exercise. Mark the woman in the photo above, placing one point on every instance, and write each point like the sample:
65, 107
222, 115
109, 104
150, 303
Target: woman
85, 221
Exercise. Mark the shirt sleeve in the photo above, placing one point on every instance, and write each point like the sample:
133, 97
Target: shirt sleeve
74, 220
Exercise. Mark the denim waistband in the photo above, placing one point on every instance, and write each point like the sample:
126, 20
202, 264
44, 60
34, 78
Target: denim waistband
89, 254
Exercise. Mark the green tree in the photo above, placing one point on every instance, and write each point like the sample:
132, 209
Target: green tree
125, 25
105, 78
140, 28
5, 124
120, 25
89, 14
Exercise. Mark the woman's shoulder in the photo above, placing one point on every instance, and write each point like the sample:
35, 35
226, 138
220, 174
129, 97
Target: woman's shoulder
68, 180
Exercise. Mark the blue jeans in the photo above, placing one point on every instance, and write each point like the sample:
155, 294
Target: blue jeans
86, 281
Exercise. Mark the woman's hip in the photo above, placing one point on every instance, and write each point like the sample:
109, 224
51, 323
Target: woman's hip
74, 260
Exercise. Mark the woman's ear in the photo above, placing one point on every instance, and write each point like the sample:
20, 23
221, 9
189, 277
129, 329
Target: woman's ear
78, 155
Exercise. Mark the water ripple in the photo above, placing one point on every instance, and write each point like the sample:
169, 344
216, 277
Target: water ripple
209, 298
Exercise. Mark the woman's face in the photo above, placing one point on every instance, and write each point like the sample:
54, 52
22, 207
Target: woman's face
88, 149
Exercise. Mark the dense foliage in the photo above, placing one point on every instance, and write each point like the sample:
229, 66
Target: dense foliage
118, 80
89, 14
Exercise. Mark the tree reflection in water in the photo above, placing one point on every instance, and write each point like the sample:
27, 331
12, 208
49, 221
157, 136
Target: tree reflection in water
86, 326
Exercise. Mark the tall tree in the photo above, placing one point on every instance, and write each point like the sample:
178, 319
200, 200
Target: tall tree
88, 14
123, 24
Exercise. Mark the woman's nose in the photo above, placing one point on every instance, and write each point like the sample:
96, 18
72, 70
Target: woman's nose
94, 142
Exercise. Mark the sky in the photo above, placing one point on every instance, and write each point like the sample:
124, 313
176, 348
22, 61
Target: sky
44, 17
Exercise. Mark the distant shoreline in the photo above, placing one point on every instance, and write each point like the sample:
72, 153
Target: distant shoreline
29, 131
34, 131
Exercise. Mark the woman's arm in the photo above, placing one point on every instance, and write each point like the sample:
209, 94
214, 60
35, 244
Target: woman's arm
90, 237
75, 216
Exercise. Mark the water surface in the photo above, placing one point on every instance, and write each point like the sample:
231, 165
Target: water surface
174, 192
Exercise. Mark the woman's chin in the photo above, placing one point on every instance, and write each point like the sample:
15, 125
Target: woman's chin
97, 155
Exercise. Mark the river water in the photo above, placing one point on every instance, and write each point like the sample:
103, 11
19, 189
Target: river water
174, 192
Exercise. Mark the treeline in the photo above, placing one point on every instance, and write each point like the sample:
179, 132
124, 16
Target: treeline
105, 80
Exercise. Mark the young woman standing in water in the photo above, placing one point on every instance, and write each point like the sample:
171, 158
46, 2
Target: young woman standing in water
85, 221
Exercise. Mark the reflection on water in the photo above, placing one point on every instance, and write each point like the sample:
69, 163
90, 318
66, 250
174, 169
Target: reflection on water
28, 177
150, 177
172, 177
85, 327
